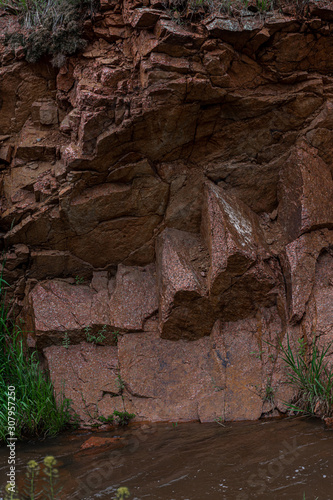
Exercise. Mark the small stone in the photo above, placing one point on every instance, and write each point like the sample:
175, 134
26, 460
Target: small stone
98, 442
329, 422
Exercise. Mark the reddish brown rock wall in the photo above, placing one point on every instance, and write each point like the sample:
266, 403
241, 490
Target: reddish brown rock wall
173, 184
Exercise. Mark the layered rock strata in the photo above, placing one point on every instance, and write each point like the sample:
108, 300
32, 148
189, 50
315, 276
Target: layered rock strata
167, 194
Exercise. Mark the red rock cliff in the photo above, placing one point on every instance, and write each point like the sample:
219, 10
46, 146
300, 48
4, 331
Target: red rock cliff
173, 183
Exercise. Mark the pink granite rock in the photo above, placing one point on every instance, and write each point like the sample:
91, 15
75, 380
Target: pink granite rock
88, 375
124, 304
305, 193
120, 219
58, 307
145, 18
233, 343
256, 288
134, 298
299, 263
168, 380
224, 375
185, 311
322, 308
233, 237
239, 279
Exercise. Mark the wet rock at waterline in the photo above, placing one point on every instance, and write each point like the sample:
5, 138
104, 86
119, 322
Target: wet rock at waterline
88, 375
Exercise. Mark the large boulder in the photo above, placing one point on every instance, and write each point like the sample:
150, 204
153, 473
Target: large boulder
233, 237
184, 308
241, 277
73, 371
114, 221
122, 304
299, 264
134, 298
305, 193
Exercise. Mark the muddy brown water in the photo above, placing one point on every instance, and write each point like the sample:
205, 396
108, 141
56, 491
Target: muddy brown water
280, 459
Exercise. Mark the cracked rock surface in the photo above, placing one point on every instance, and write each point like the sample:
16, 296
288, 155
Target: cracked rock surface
168, 192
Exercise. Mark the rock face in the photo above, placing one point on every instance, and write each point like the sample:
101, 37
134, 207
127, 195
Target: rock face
185, 310
73, 372
306, 193
120, 304
167, 195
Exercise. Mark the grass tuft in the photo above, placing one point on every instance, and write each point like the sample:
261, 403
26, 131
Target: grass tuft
312, 377
37, 413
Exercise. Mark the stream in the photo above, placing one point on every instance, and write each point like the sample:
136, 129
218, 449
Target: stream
268, 459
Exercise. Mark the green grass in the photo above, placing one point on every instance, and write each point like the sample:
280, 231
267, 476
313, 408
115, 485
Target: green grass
123, 417
19, 6
37, 413
312, 377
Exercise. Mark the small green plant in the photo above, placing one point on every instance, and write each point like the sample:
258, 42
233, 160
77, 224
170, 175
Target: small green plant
266, 392
264, 5
120, 383
123, 417
51, 488
32, 476
115, 336
52, 476
9, 494
101, 334
220, 421
122, 493
174, 424
95, 339
79, 280
185, 10
269, 393
86, 409
66, 341
106, 420
257, 354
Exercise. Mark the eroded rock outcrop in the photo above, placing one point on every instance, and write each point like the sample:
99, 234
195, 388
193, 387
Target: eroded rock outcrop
171, 187
185, 310
90, 375
122, 303
306, 193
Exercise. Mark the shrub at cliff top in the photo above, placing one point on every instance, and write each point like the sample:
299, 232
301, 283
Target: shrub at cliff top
188, 8
52, 27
